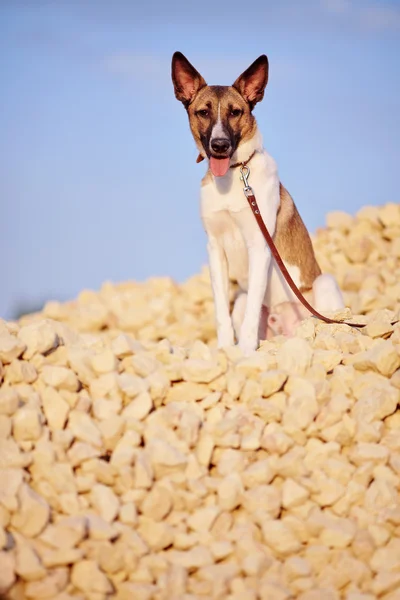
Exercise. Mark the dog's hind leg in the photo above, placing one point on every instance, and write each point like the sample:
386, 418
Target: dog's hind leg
326, 294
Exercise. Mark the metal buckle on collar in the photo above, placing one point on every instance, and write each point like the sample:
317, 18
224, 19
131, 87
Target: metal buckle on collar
244, 176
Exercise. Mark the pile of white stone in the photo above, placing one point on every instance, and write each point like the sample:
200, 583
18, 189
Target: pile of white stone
138, 462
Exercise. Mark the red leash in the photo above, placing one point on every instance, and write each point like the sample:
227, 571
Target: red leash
248, 192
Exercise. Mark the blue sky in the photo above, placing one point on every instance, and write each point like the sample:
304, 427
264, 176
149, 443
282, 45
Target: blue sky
98, 179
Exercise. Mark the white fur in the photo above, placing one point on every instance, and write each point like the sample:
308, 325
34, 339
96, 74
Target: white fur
218, 130
237, 248
327, 295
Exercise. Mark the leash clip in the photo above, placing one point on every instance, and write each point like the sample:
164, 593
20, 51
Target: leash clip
244, 176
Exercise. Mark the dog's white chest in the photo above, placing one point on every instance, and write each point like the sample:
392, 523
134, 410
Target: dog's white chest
223, 207
226, 196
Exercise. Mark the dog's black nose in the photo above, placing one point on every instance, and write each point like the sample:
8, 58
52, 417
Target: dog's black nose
220, 145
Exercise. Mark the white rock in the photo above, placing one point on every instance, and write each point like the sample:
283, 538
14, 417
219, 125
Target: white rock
203, 518
157, 534
27, 563
139, 407
67, 533
295, 356
87, 577
10, 347
280, 538
368, 452
60, 378
124, 345
104, 361
200, 371
338, 533
230, 491
84, 428
9, 401
27, 424
40, 337
104, 500
157, 503
20, 371
131, 385
272, 382
162, 453
33, 513
55, 408
293, 494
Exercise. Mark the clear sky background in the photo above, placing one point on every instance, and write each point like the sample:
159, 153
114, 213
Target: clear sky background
98, 179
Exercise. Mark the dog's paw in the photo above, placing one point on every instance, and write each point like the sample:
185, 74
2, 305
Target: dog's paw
248, 342
226, 338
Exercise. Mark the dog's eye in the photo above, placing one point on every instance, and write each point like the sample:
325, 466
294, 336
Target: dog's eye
203, 113
235, 112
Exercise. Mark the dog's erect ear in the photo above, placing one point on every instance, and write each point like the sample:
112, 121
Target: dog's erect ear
187, 81
251, 84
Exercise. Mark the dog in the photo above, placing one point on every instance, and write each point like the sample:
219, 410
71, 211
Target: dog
226, 135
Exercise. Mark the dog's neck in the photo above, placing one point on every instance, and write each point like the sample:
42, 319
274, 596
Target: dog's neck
243, 162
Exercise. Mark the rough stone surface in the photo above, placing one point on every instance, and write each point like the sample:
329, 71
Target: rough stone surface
138, 461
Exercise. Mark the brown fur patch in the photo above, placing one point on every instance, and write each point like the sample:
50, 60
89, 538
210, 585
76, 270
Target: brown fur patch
293, 241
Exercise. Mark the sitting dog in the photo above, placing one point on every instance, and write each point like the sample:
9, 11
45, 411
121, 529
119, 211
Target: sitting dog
225, 131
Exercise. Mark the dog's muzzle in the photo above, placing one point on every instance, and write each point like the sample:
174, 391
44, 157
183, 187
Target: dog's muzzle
221, 147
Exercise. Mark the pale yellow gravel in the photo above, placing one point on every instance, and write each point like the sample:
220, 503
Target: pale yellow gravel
137, 462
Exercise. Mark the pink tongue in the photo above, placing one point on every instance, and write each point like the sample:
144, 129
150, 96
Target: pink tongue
219, 166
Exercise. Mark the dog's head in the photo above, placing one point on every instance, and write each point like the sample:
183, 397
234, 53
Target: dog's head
220, 117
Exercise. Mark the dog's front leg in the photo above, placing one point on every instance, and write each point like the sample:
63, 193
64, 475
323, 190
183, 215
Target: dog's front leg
259, 263
220, 287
